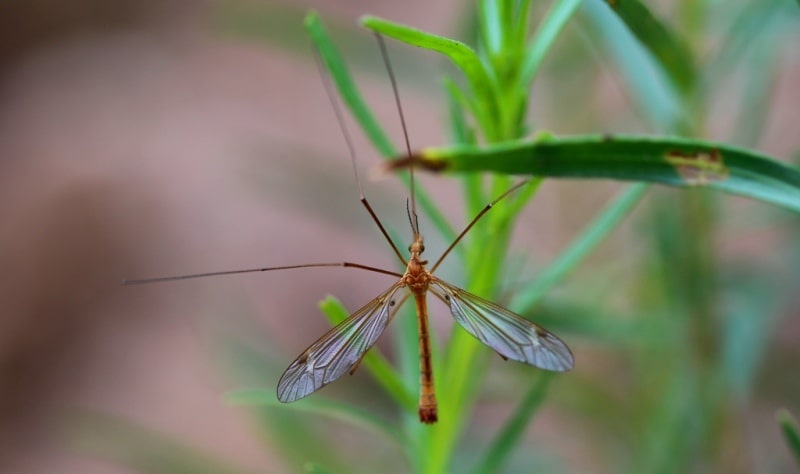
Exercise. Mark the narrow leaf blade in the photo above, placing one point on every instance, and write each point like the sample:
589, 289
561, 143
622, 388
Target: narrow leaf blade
670, 52
665, 160
791, 433
321, 406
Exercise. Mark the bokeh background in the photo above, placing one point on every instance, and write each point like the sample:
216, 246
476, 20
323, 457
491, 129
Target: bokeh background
151, 138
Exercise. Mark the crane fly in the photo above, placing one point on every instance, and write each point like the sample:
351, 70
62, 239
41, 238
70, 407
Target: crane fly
341, 349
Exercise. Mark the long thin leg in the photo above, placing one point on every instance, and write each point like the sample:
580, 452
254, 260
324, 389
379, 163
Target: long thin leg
264, 269
474, 220
337, 111
385, 54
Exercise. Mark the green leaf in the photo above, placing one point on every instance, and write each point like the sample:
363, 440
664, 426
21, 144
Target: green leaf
646, 83
520, 27
352, 98
460, 131
669, 51
754, 304
483, 87
462, 55
463, 134
346, 86
762, 73
558, 16
791, 433
321, 406
665, 160
373, 361
491, 26
752, 23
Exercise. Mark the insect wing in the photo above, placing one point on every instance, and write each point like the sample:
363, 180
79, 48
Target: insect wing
512, 336
339, 350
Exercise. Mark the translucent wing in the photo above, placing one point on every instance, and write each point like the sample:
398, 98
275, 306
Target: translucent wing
512, 336
339, 350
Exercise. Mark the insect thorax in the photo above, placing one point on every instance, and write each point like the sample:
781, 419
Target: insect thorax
417, 277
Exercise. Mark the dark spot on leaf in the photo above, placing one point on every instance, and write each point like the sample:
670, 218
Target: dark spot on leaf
698, 167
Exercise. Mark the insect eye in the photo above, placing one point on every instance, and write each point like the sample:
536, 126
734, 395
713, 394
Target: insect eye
409, 247
421, 248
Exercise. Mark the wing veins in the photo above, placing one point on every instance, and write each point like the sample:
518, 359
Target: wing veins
338, 350
504, 331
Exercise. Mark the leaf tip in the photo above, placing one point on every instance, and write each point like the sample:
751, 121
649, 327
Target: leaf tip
425, 160
311, 19
370, 22
333, 309
366, 19
784, 418
543, 136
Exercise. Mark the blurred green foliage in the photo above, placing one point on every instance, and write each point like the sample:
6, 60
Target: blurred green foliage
673, 335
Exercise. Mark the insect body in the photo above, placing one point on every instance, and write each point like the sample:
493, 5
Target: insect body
341, 349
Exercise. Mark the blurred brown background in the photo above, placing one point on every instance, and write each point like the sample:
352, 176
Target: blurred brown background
138, 139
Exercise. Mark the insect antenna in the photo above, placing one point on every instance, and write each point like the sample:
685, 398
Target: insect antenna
144, 281
385, 55
408, 211
351, 149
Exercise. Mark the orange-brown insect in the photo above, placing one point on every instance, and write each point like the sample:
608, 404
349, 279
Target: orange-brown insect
341, 349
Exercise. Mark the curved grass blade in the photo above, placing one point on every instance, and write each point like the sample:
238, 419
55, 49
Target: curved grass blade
791, 433
761, 81
750, 24
558, 16
346, 86
373, 361
462, 55
355, 103
651, 90
483, 87
490, 22
664, 160
672, 55
332, 409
